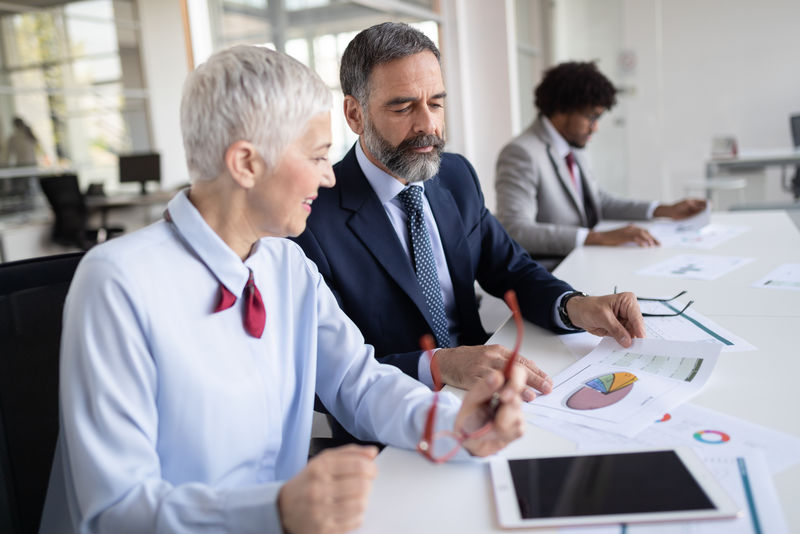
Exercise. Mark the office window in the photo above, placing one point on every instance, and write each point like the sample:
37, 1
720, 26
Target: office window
74, 74
316, 32
532, 33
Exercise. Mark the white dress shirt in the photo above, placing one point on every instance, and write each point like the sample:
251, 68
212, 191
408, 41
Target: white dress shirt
387, 188
173, 418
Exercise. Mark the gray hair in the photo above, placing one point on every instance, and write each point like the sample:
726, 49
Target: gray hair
376, 45
246, 93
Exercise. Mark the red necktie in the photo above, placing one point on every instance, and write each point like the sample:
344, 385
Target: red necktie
255, 316
570, 161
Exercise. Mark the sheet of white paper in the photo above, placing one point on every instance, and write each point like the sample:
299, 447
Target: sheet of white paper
623, 390
580, 343
695, 222
746, 479
695, 232
687, 425
696, 266
704, 238
787, 276
690, 326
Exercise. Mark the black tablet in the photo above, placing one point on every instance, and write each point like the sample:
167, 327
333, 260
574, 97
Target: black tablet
619, 487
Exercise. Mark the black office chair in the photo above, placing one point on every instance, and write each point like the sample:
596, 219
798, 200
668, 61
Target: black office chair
794, 122
71, 214
32, 294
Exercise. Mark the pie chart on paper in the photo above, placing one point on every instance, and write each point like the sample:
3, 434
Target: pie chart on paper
602, 391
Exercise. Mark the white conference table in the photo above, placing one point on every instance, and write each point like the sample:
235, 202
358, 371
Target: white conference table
412, 495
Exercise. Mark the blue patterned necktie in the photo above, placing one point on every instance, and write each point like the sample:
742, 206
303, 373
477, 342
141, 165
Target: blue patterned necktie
424, 264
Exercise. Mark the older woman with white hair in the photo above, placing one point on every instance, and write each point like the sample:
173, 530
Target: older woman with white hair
192, 349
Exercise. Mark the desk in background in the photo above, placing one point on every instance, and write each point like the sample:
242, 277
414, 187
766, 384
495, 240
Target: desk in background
756, 160
103, 204
413, 495
27, 234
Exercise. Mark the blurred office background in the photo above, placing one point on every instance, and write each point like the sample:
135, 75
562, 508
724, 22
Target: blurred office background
98, 78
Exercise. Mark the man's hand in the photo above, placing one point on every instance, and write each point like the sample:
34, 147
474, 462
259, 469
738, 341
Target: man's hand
330, 494
465, 366
508, 423
621, 236
681, 210
614, 315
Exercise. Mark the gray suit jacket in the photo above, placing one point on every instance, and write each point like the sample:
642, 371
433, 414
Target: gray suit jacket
537, 203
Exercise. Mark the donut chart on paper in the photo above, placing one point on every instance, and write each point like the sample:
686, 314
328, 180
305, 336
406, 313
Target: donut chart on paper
602, 391
712, 437
664, 419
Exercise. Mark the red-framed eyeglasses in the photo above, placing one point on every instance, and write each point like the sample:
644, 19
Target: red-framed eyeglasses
439, 447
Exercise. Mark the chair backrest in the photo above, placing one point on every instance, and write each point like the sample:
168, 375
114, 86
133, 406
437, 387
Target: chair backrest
69, 207
32, 294
794, 122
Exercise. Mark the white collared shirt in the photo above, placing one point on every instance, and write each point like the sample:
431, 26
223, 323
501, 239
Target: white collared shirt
562, 148
387, 188
172, 417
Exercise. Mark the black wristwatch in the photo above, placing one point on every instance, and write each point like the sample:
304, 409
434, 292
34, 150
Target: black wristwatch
562, 309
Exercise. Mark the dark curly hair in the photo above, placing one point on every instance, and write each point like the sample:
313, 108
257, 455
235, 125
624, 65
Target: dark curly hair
573, 86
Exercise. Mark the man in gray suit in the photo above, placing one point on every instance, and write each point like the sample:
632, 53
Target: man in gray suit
546, 197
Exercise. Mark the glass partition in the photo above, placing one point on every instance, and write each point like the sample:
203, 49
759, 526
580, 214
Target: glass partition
73, 75
316, 32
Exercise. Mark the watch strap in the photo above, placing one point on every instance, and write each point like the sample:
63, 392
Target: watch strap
562, 309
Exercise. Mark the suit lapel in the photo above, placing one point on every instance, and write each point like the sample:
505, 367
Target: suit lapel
453, 236
560, 168
371, 225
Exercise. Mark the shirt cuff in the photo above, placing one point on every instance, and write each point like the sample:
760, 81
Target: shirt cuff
651, 210
581, 235
254, 509
557, 317
424, 368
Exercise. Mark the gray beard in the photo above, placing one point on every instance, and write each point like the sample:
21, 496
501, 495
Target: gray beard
401, 160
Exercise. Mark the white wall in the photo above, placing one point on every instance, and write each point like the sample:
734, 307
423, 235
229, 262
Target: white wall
700, 68
730, 67
480, 77
165, 67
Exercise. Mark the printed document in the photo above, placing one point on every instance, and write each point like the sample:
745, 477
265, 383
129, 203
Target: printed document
695, 266
691, 325
786, 277
624, 390
696, 232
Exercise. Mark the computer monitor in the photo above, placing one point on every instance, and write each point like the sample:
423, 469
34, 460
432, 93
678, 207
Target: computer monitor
142, 168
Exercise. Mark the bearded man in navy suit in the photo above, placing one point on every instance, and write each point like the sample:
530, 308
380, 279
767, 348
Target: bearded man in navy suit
359, 236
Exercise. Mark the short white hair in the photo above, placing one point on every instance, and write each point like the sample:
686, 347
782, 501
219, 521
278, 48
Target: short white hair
246, 93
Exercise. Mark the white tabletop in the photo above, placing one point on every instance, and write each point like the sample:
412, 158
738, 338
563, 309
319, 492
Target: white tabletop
413, 495
772, 239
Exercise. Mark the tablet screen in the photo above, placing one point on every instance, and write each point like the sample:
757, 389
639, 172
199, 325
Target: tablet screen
603, 484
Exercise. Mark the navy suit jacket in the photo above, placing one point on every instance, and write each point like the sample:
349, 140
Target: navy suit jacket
356, 249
